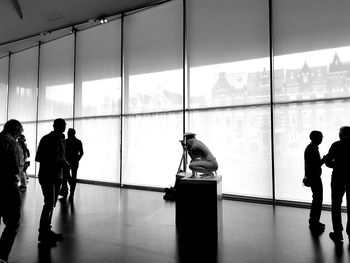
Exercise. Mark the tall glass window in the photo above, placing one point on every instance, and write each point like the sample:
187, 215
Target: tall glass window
4, 64
153, 59
98, 101
228, 52
56, 79
311, 86
153, 84
229, 66
23, 85
98, 71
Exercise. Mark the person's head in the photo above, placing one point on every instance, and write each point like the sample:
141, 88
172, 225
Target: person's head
316, 137
189, 135
71, 133
344, 132
189, 138
14, 128
59, 125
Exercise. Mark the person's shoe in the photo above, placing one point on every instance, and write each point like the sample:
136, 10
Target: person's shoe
336, 237
45, 239
316, 228
317, 225
56, 236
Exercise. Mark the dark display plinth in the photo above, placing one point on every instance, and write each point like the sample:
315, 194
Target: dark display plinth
199, 208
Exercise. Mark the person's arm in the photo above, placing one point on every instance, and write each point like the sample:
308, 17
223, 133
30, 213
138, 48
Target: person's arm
13, 160
40, 152
329, 158
308, 161
81, 151
201, 151
190, 153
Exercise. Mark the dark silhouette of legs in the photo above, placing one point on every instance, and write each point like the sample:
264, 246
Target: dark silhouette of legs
73, 178
338, 190
50, 192
316, 206
10, 213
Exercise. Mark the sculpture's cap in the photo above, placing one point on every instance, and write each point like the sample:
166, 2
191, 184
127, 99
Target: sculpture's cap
189, 135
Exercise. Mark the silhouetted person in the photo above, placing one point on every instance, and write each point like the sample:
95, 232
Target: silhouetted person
313, 171
22, 140
10, 198
74, 152
338, 158
202, 160
51, 156
23, 155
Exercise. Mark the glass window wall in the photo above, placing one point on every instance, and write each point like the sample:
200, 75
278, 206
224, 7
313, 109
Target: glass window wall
228, 97
152, 151
56, 79
98, 82
101, 144
240, 140
153, 59
228, 52
293, 125
23, 85
311, 86
4, 65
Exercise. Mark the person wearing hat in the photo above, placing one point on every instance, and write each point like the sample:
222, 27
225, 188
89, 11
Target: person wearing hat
202, 160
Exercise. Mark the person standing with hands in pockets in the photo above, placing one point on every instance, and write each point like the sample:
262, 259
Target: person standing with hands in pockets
313, 171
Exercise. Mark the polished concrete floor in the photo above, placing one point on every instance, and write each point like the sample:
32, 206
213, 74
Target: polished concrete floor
106, 224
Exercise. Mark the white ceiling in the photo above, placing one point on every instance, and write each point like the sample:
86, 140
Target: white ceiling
47, 15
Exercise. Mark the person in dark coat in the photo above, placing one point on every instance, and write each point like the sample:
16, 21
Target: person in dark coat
10, 198
51, 156
313, 171
74, 152
338, 159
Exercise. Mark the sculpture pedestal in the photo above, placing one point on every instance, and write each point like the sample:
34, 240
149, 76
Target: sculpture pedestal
199, 208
